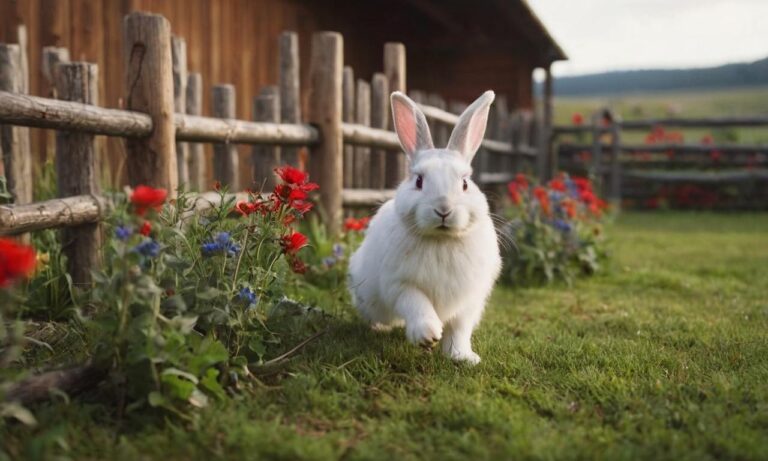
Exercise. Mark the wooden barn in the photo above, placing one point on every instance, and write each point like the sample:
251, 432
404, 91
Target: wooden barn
455, 48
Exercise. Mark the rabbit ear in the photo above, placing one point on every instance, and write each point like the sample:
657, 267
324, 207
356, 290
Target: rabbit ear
410, 125
470, 129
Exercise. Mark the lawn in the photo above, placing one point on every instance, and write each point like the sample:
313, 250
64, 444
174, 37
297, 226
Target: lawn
664, 358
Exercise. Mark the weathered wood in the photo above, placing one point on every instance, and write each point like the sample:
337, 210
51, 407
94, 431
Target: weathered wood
207, 129
362, 165
180, 77
699, 176
290, 102
597, 151
545, 127
325, 111
441, 131
62, 212
71, 381
360, 135
348, 116
501, 177
195, 151
52, 56
149, 89
225, 159
77, 169
14, 140
22, 37
676, 148
33, 111
418, 96
394, 69
440, 115
379, 120
614, 193
366, 197
23, 110
266, 108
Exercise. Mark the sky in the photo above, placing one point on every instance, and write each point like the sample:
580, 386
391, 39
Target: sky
605, 35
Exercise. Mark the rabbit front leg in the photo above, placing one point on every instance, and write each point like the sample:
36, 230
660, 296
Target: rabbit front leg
457, 342
422, 325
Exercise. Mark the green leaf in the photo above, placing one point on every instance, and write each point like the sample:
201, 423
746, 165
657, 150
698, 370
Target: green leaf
156, 399
180, 373
210, 382
209, 294
177, 387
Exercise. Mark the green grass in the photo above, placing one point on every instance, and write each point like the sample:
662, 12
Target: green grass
711, 103
665, 358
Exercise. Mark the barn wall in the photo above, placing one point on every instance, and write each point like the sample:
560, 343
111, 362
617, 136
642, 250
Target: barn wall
235, 41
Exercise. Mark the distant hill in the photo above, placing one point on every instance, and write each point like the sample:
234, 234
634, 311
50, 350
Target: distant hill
635, 81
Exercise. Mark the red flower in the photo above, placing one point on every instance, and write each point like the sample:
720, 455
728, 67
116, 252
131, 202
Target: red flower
217, 186
352, 224
557, 184
577, 119
145, 229
514, 194
569, 206
294, 242
521, 180
707, 139
245, 208
541, 195
145, 198
715, 155
16, 261
291, 175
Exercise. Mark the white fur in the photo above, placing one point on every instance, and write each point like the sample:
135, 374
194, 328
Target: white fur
409, 270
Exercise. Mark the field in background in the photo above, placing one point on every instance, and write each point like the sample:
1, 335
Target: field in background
730, 102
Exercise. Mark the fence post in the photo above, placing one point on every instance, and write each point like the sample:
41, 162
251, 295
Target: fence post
348, 116
325, 110
379, 119
149, 89
441, 131
194, 106
363, 117
394, 69
52, 56
179, 57
290, 104
597, 151
615, 191
225, 160
14, 140
264, 159
77, 168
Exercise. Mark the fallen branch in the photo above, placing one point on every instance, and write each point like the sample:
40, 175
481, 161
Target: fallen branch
258, 367
72, 381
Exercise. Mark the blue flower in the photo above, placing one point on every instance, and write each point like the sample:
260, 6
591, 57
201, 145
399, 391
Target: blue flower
247, 296
123, 232
329, 261
561, 225
222, 243
148, 248
338, 250
222, 238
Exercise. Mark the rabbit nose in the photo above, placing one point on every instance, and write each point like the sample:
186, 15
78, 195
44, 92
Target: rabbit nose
443, 212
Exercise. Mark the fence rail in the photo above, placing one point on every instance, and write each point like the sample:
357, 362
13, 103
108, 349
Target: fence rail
667, 163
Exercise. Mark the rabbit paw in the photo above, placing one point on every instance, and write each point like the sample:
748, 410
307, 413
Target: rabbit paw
425, 333
469, 357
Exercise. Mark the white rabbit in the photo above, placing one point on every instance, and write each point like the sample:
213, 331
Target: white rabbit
430, 256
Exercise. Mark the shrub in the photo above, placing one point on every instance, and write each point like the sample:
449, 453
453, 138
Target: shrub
555, 230
178, 310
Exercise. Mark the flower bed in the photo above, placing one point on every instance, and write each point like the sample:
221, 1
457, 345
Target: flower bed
555, 230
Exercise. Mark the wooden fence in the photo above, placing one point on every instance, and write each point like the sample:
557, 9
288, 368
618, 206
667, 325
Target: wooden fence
352, 153
628, 172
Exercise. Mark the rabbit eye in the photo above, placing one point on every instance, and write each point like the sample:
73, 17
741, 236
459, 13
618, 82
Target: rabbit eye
465, 185
419, 182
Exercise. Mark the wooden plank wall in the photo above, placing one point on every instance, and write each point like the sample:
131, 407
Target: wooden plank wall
229, 41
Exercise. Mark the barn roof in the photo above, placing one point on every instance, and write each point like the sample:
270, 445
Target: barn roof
503, 23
